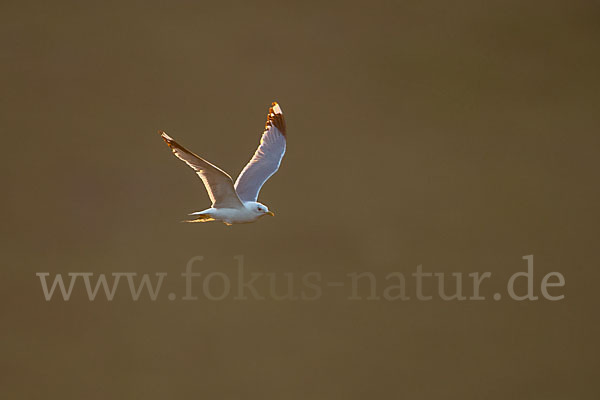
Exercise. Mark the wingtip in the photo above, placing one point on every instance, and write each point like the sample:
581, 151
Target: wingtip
165, 137
275, 118
168, 139
275, 108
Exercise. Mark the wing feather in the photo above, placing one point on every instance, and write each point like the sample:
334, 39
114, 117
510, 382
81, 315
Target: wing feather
218, 183
266, 159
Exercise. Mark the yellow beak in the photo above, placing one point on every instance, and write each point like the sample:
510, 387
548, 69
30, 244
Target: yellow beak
271, 213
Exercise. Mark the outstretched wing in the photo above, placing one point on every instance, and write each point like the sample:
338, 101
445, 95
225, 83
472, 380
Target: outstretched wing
218, 183
266, 159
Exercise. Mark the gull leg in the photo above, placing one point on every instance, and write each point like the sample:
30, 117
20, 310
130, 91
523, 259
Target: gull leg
201, 218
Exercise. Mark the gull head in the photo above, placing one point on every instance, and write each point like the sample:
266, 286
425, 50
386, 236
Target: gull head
258, 208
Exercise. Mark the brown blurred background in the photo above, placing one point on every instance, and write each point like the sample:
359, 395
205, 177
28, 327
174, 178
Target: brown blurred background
457, 135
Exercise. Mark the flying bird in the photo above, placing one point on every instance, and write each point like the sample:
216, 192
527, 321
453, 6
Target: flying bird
236, 203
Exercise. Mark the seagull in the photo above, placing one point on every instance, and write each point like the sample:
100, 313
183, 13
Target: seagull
237, 203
